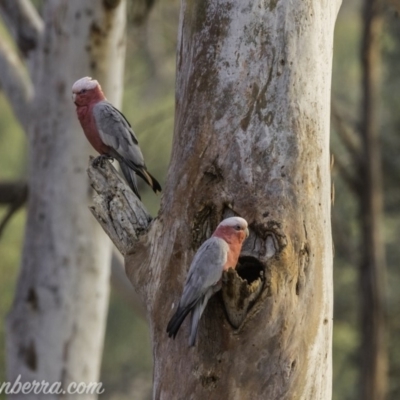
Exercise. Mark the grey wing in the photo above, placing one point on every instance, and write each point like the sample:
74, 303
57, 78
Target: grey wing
116, 132
130, 177
205, 271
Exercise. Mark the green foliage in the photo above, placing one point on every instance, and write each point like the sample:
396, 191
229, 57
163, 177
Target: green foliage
10, 250
12, 166
12, 144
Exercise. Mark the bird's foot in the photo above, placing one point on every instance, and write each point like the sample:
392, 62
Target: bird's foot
101, 159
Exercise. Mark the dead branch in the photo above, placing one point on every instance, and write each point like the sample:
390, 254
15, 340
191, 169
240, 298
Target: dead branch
23, 22
11, 192
14, 194
121, 214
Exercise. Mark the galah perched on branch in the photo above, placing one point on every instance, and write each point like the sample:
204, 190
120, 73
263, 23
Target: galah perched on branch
215, 255
109, 132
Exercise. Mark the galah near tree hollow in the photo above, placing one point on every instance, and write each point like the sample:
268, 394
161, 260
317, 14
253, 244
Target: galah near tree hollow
109, 132
216, 255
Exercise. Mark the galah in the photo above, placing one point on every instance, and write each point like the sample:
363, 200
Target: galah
109, 132
216, 255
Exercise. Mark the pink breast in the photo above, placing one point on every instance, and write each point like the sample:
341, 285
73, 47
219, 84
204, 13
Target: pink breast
89, 127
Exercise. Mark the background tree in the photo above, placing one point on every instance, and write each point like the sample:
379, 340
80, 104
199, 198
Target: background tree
246, 112
365, 181
373, 267
56, 325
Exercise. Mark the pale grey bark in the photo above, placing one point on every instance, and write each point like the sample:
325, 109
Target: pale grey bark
252, 139
56, 326
15, 83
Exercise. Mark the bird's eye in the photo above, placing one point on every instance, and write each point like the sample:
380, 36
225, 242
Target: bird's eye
82, 91
237, 227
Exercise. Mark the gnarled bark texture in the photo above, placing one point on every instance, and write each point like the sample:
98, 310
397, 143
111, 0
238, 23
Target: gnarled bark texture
56, 326
252, 139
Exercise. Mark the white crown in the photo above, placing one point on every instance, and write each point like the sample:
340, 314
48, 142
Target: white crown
233, 221
84, 83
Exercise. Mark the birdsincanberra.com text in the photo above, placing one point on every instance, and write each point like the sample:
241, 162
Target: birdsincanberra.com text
43, 387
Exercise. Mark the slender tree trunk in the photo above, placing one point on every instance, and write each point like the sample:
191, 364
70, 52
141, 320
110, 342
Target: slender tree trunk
252, 139
373, 264
56, 326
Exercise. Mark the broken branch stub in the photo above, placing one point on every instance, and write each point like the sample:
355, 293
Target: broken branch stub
118, 210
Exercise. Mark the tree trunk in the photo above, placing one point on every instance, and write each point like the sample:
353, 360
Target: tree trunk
251, 139
373, 380
56, 326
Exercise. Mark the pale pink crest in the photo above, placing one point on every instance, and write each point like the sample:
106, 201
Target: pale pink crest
86, 83
234, 221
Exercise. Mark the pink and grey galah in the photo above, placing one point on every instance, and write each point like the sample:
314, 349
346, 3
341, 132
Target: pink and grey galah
216, 255
109, 132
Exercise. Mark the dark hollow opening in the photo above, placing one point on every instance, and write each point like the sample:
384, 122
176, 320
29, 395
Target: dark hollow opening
250, 269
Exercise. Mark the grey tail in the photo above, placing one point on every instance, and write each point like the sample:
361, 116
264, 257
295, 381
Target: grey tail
194, 324
176, 321
149, 179
140, 170
130, 177
197, 312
